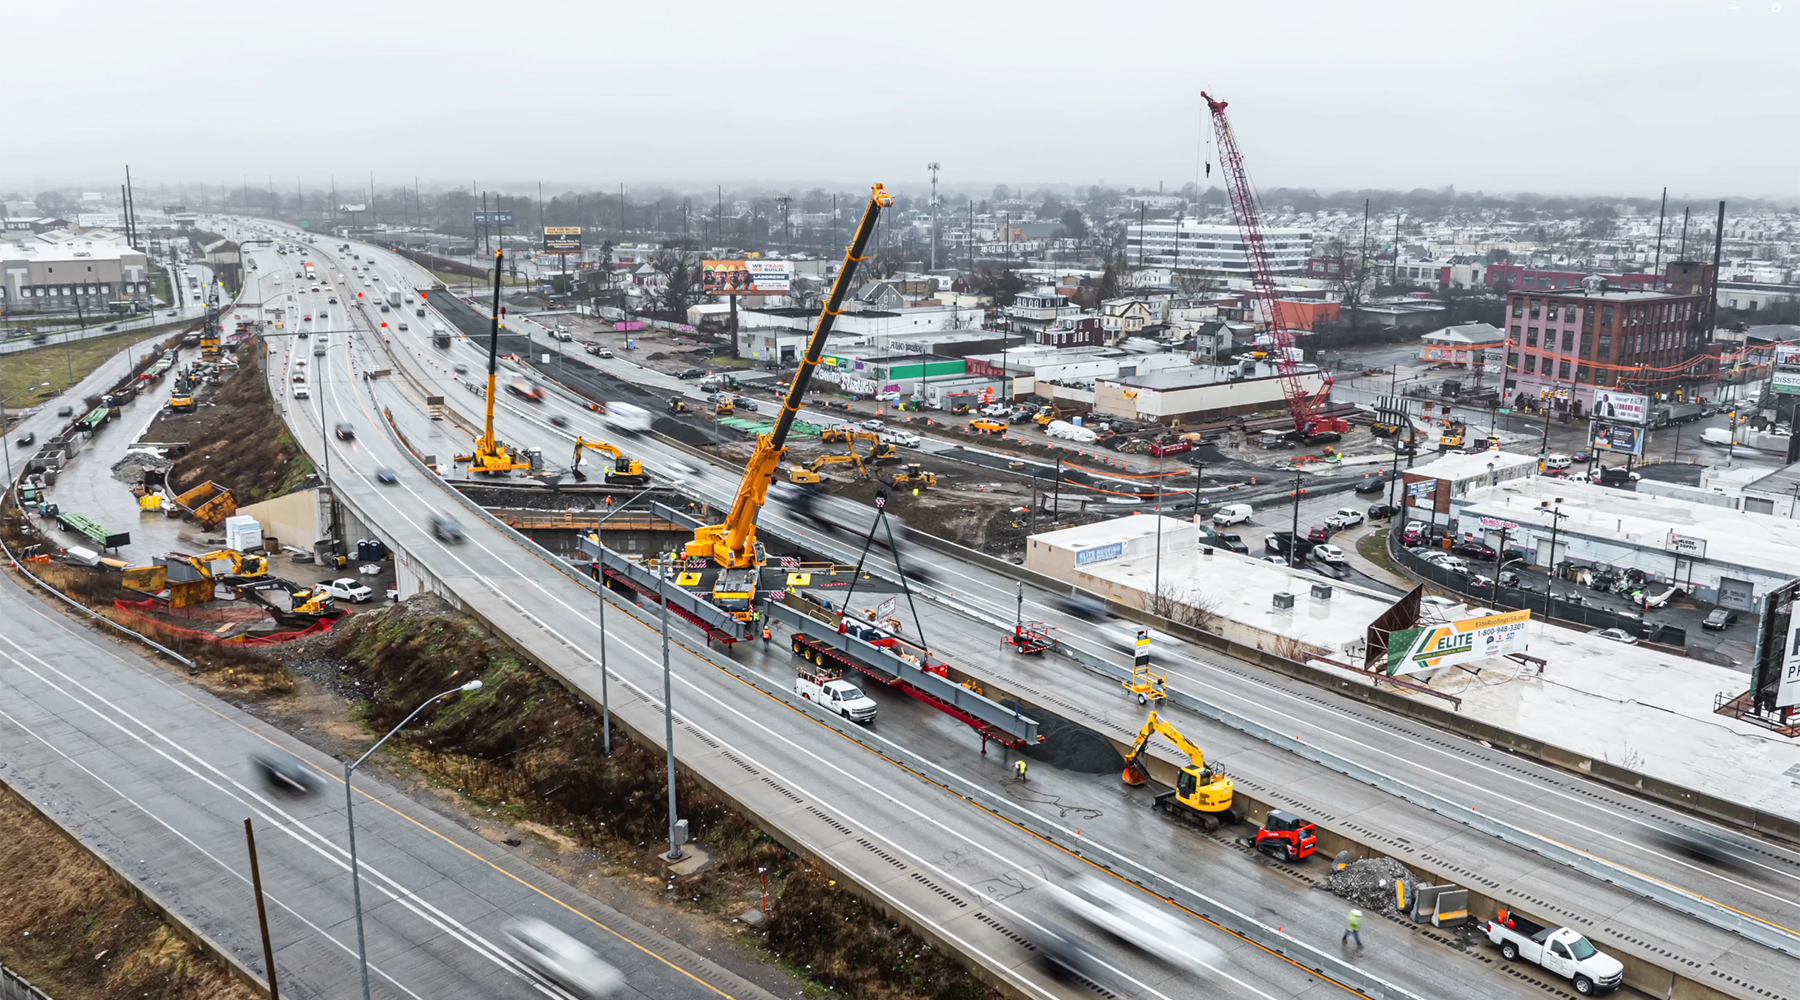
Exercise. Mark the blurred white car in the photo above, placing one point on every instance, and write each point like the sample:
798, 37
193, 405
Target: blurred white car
1140, 922
561, 958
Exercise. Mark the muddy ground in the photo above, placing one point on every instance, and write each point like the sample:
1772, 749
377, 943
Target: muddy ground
235, 438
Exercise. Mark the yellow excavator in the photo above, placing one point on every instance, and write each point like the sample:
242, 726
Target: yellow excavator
914, 474
491, 456
809, 473
248, 567
624, 471
1202, 795
732, 544
879, 450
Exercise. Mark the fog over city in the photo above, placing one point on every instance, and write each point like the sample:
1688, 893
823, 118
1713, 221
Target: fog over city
1592, 98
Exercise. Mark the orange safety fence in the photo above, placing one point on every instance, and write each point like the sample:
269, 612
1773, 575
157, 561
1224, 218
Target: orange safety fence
1125, 475
137, 609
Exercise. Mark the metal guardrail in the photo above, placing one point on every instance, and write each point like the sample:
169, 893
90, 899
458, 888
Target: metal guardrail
16, 987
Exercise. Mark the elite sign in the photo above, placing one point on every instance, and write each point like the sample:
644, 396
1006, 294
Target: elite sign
1439, 645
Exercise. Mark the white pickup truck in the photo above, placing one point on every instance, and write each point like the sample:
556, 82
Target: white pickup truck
1558, 949
834, 694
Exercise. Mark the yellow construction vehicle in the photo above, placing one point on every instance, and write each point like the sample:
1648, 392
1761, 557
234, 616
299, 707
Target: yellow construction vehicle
732, 544
677, 404
913, 474
490, 455
809, 473
248, 567
879, 450
310, 601
624, 471
1202, 795
726, 406
1454, 433
181, 401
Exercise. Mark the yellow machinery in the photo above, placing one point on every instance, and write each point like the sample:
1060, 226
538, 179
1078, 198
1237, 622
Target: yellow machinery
1202, 793
914, 475
181, 402
624, 471
733, 545
879, 450
809, 473
209, 503
248, 567
726, 406
1454, 433
677, 404
491, 456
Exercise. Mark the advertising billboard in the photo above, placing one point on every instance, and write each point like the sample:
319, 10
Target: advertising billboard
1620, 407
1787, 353
493, 218
1621, 438
562, 239
746, 277
1786, 382
1441, 645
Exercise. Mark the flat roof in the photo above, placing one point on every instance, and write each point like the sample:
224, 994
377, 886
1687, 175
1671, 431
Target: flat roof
1456, 468
1732, 536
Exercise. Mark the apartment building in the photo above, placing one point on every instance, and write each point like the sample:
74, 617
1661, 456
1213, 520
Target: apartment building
1566, 344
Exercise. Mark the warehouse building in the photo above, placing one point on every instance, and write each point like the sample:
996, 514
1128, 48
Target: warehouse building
57, 273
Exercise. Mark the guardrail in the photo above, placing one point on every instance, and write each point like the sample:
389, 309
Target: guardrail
16, 987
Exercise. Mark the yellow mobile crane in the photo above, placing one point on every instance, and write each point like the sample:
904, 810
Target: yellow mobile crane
1202, 794
624, 471
491, 456
732, 544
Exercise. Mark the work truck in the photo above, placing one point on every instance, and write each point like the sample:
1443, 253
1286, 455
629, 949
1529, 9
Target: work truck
828, 690
1561, 950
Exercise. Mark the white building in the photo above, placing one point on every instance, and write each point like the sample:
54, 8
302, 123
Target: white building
1193, 246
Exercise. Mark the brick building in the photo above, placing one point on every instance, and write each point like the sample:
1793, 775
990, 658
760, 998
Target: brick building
1566, 343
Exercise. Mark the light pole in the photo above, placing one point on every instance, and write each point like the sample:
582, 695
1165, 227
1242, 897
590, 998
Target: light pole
4, 447
600, 578
662, 576
1556, 516
362, 951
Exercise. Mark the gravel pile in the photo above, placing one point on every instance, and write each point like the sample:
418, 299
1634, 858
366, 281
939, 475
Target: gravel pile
1369, 884
130, 469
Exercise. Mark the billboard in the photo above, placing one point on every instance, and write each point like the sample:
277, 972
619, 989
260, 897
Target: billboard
1785, 382
1620, 407
1441, 645
746, 277
562, 239
493, 218
1621, 438
1787, 353
1787, 693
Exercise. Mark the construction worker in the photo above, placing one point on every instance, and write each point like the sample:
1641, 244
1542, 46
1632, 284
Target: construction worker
1019, 767
768, 633
1353, 929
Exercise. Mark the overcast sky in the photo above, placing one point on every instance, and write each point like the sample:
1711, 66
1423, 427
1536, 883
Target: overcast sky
1561, 97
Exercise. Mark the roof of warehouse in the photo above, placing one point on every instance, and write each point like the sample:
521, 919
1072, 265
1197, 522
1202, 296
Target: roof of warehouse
1455, 468
1732, 536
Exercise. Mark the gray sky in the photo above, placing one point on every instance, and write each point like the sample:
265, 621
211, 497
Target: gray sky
1572, 97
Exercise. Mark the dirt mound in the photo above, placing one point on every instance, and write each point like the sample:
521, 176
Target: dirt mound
1070, 745
131, 468
235, 438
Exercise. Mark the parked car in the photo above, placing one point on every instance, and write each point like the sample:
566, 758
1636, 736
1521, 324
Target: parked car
1616, 635
347, 589
1475, 549
1382, 511
1318, 533
1720, 619
1345, 517
1415, 533
1231, 541
874, 425
692, 373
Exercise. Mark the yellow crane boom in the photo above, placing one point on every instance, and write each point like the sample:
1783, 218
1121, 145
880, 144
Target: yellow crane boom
490, 454
732, 543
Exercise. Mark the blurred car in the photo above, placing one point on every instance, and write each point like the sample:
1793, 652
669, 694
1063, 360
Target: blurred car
1706, 846
344, 430
561, 958
26, 439
1374, 484
461, 369
1616, 635
1090, 609
307, 317
65, 411
285, 773
1330, 555
1141, 922
1719, 619
1433, 602
386, 475
447, 528
559, 420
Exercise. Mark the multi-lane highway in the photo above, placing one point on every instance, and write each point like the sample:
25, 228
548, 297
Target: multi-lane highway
537, 601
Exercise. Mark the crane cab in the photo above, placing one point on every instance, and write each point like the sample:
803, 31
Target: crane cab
734, 591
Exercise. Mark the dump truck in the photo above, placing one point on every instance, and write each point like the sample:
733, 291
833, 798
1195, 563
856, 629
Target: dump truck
209, 503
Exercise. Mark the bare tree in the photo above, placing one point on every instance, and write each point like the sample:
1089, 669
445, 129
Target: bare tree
1351, 282
1185, 606
681, 267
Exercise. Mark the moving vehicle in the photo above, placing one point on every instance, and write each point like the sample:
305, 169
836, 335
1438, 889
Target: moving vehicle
563, 959
28, 438
627, 418
1475, 549
440, 337
828, 690
344, 430
905, 439
1202, 795
1560, 950
1139, 921
1382, 511
1232, 513
446, 528
1557, 461
386, 476
1331, 555
1719, 619
1344, 517
285, 773
347, 589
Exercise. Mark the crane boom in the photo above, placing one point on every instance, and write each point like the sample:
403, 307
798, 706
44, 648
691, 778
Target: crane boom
1305, 407
490, 454
732, 544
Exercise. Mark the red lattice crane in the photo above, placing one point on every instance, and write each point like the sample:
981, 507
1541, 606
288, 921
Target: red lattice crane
1310, 422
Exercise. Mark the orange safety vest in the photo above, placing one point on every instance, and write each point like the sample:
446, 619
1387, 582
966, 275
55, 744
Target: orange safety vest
768, 632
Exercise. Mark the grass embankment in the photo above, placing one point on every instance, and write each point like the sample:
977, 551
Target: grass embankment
64, 365
528, 750
235, 438
1373, 547
78, 932
463, 281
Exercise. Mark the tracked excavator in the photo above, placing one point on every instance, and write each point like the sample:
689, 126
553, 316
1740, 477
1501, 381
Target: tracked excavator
624, 471
809, 473
243, 567
732, 545
491, 455
1202, 795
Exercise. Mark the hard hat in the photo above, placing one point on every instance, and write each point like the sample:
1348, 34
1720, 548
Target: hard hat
1356, 913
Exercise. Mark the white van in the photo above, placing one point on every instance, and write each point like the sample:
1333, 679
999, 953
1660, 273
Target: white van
1557, 461
1232, 513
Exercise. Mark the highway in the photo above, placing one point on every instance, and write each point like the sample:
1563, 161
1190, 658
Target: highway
1542, 799
861, 812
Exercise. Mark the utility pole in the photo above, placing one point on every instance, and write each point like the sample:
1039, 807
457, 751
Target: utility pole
784, 201
971, 236
373, 215
1661, 214
1712, 301
933, 167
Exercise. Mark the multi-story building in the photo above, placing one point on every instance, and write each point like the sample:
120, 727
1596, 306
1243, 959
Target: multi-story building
1566, 344
1191, 246
1518, 277
1033, 311
78, 274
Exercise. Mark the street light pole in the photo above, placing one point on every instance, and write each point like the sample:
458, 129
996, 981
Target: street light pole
662, 577
4, 447
600, 578
362, 950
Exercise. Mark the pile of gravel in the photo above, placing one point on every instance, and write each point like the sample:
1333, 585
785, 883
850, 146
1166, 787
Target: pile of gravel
130, 469
1369, 884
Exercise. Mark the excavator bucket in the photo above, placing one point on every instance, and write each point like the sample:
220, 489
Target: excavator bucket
1134, 775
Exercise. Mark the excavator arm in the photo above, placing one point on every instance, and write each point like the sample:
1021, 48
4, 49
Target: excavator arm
624, 470
732, 544
1153, 725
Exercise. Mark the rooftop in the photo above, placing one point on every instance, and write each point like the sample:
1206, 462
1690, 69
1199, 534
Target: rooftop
1455, 468
1198, 376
